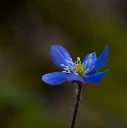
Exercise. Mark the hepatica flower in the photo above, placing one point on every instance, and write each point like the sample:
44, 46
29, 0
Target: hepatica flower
75, 71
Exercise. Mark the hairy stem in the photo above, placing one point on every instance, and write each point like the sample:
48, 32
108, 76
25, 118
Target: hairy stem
76, 105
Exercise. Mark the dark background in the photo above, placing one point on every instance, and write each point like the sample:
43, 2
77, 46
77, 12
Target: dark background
28, 28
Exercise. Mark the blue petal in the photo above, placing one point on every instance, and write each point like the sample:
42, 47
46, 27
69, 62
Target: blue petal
91, 56
55, 78
100, 61
59, 55
94, 78
73, 77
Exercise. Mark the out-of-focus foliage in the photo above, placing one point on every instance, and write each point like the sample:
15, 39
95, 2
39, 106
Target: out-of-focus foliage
28, 29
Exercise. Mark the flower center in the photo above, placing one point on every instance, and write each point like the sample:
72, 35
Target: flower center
74, 67
79, 69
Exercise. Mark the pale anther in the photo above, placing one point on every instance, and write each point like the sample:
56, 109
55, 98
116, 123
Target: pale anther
62, 65
64, 71
78, 59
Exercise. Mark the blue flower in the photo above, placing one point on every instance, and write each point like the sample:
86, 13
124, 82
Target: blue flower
85, 71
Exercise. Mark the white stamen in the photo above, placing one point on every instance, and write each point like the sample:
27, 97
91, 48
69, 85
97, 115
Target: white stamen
76, 73
71, 67
78, 59
62, 65
65, 68
64, 71
76, 62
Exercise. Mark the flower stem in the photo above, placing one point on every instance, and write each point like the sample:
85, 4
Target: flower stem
76, 105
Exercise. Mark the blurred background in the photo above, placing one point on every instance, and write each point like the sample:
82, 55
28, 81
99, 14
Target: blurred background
28, 29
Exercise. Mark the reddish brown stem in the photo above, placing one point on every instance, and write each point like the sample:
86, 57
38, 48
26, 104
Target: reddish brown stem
76, 106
